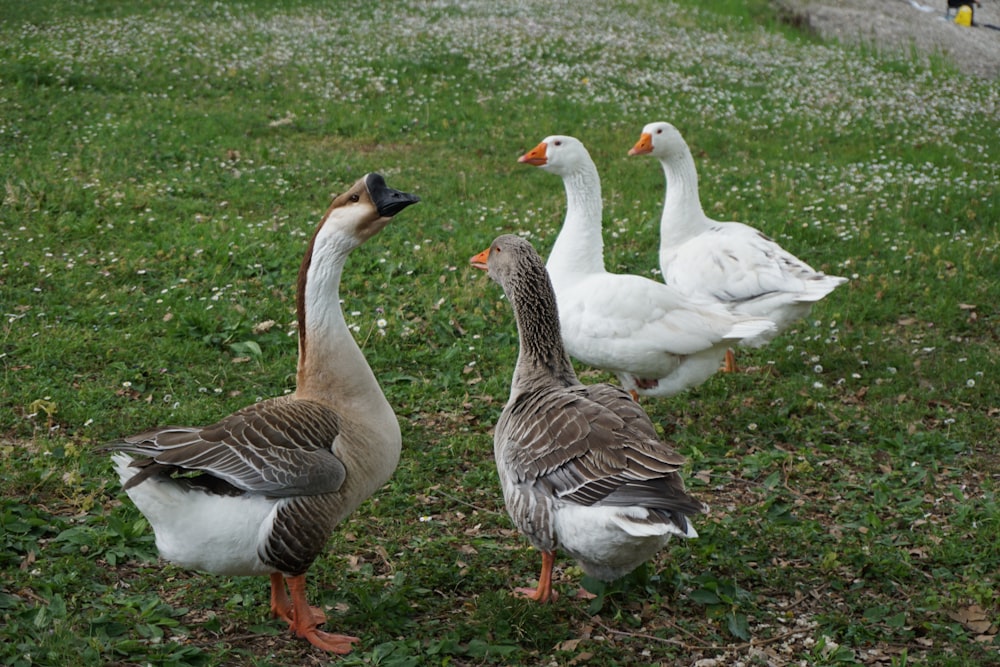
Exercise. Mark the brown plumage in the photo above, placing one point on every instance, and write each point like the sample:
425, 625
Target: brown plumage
259, 492
581, 467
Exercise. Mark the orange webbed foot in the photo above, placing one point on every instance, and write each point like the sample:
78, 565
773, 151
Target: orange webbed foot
302, 618
339, 644
537, 594
316, 615
544, 592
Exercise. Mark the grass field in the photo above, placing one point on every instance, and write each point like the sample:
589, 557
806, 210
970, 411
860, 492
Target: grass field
163, 164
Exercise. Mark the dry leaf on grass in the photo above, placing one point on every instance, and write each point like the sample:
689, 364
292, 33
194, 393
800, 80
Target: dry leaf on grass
974, 618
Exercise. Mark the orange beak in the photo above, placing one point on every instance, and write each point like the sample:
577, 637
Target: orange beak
479, 261
643, 146
535, 156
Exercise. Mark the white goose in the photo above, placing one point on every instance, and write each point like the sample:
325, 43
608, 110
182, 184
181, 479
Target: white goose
259, 492
728, 262
655, 339
581, 466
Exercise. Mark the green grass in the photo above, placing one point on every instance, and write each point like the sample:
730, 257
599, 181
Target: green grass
163, 165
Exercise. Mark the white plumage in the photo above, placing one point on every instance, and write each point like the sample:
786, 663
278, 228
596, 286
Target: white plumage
729, 263
657, 340
201, 531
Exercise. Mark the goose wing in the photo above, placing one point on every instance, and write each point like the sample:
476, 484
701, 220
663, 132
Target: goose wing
620, 321
738, 263
591, 445
281, 447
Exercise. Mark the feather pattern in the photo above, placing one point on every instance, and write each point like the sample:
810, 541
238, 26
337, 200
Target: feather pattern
280, 447
587, 445
580, 467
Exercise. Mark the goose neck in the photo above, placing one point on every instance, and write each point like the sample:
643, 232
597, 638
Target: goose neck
542, 358
683, 215
331, 366
579, 247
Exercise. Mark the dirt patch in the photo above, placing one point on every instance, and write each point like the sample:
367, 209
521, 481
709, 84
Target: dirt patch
907, 26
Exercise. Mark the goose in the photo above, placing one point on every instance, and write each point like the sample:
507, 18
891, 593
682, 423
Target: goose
581, 467
259, 492
727, 262
657, 341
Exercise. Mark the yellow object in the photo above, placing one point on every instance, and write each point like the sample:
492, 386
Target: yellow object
964, 16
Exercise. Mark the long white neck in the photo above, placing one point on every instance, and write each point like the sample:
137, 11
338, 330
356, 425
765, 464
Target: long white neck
332, 368
682, 216
579, 247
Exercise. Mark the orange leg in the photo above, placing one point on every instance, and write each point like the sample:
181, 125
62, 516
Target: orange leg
281, 606
298, 608
635, 395
730, 365
544, 591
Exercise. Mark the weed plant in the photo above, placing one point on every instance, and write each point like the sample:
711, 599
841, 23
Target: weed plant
163, 164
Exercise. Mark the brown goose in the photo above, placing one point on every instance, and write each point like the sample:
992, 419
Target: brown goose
259, 492
581, 467
729, 263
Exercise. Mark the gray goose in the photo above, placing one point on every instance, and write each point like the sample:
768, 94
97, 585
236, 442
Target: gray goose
581, 467
657, 340
260, 492
729, 263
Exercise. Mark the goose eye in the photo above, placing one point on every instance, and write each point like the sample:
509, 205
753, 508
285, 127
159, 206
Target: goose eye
660, 131
557, 143
355, 197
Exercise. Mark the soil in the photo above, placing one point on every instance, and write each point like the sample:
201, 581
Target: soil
906, 26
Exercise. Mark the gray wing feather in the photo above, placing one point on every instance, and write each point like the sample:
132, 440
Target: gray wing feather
280, 447
591, 444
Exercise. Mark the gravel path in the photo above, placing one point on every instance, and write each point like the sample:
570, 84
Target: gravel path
908, 26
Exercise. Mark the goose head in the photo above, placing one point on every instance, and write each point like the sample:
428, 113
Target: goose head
661, 140
360, 213
559, 155
516, 266
509, 255
354, 217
